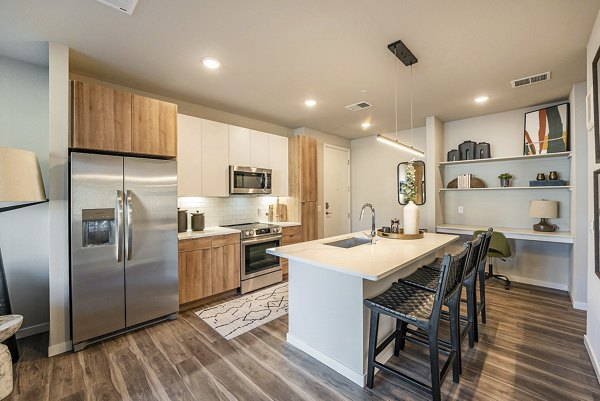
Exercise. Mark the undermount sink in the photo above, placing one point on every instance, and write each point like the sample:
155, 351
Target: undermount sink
349, 242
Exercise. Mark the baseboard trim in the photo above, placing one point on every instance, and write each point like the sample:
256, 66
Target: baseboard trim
342, 369
358, 378
60, 348
577, 304
539, 283
592, 355
33, 330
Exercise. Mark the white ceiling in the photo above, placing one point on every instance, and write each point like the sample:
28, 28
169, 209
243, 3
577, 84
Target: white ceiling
277, 53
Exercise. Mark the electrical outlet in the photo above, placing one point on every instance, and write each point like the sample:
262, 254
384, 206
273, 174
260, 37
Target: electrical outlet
460, 209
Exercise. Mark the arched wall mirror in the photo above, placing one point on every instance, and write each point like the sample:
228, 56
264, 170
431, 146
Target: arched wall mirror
419, 181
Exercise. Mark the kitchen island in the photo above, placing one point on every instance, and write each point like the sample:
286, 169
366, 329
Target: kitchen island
327, 286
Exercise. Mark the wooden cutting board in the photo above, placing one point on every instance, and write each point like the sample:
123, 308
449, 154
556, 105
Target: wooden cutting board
278, 212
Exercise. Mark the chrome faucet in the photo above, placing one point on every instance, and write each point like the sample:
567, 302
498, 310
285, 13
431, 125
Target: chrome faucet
362, 212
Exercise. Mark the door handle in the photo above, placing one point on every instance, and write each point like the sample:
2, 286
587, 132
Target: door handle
328, 213
129, 231
119, 226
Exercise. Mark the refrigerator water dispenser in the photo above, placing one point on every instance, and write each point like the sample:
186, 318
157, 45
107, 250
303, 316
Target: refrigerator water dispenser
98, 227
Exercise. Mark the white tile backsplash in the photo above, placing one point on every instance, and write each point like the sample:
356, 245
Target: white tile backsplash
235, 209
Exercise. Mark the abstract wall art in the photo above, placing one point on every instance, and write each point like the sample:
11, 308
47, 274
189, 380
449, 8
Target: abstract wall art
547, 130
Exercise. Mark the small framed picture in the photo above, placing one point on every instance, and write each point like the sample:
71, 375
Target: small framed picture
547, 130
589, 108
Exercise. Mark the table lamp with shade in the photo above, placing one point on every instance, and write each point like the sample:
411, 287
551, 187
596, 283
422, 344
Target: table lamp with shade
21, 185
544, 209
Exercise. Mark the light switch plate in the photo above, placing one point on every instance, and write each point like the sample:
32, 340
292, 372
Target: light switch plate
460, 209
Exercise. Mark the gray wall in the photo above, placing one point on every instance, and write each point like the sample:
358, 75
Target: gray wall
373, 178
24, 233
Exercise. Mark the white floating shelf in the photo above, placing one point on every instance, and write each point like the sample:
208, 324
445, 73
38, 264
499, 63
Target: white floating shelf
504, 188
559, 155
564, 237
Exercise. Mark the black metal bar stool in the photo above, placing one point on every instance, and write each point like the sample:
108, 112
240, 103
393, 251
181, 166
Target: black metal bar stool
426, 279
415, 306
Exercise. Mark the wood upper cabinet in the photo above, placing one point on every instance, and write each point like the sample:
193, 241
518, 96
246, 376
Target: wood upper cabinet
308, 161
101, 118
154, 127
208, 266
302, 152
225, 270
116, 121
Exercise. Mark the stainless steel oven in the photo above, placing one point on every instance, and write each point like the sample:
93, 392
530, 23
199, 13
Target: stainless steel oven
249, 180
258, 268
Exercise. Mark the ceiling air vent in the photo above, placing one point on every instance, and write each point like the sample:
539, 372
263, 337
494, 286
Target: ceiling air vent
125, 6
534, 79
359, 106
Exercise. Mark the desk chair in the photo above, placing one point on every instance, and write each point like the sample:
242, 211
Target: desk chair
499, 248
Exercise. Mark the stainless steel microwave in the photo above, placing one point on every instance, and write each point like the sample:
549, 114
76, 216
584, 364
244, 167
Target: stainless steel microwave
249, 180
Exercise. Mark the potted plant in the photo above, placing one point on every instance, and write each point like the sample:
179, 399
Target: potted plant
505, 179
411, 211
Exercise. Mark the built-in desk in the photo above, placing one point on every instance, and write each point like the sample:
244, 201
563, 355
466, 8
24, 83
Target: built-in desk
564, 237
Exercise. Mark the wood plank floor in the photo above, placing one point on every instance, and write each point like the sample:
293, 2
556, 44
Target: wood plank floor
531, 349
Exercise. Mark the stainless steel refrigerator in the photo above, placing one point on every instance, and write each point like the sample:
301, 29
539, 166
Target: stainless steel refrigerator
123, 244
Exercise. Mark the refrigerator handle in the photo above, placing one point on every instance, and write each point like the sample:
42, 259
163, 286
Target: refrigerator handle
119, 226
129, 231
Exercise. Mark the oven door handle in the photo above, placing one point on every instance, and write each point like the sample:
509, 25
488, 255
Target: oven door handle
261, 239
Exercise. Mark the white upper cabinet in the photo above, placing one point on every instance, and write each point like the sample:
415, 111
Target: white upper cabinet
278, 162
239, 146
259, 149
215, 159
189, 150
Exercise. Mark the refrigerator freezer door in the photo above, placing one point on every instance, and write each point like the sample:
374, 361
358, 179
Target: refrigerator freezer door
151, 275
97, 286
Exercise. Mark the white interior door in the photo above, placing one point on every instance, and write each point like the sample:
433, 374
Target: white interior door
336, 192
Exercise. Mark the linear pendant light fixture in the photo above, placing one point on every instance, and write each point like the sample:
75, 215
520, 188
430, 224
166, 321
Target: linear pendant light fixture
403, 54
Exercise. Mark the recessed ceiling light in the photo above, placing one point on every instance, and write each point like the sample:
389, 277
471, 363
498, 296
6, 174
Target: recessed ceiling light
211, 62
310, 102
482, 99
366, 125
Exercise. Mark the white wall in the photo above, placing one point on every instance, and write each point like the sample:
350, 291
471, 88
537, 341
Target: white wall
592, 338
373, 178
24, 232
58, 87
538, 263
579, 222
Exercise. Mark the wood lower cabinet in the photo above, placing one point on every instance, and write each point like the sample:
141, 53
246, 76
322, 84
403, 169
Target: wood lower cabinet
101, 118
289, 235
111, 120
208, 266
225, 273
154, 127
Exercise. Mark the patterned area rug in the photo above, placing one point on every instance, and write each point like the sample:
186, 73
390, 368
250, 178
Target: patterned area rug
238, 316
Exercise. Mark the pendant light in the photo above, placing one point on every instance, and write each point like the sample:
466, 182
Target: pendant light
408, 59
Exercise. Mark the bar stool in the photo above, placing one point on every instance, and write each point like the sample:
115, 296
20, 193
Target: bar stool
481, 276
411, 305
427, 278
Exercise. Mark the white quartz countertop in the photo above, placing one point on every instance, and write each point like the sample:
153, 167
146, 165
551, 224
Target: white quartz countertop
208, 232
371, 262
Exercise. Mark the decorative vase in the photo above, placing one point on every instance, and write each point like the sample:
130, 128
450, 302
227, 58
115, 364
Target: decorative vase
553, 175
411, 218
504, 182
